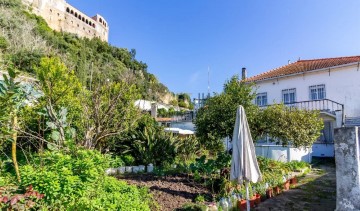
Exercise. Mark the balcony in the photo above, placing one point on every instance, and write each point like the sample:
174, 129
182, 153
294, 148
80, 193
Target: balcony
325, 106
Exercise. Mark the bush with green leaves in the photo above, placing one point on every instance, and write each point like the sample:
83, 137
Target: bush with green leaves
192, 207
188, 149
117, 161
155, 146
77, 181
129, 160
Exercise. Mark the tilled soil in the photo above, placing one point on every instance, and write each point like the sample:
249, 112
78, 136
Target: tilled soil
170, 192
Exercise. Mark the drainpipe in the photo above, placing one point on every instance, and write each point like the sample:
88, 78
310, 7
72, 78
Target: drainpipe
343, 116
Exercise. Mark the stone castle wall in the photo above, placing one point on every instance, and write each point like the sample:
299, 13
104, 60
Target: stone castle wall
61, 16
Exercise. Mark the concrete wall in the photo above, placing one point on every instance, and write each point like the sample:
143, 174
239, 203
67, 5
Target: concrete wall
341, 85
284, 154
347, 159
61, 16
323, 150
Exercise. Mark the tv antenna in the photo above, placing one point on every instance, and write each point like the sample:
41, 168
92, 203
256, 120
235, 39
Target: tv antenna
208, 81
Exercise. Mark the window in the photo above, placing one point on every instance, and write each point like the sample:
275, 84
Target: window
289, 95
261, 99
317, 92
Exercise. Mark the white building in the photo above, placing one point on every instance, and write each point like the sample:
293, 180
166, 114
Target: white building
331, 85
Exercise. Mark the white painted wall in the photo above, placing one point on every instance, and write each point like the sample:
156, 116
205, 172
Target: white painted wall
323, 150
342, 84
284, 154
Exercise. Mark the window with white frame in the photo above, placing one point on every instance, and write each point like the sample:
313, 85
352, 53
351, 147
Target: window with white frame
317, 92
289, 95
261, 99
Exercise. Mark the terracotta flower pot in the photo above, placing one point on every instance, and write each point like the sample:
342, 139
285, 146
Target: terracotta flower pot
293, 181
269, 193
287, 185
258, 199
276, 190
252, 201
242, 205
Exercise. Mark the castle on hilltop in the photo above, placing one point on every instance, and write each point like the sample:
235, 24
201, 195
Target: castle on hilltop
61, 16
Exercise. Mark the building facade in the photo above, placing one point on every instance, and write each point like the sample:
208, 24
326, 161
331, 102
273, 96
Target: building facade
61, 16
330, 85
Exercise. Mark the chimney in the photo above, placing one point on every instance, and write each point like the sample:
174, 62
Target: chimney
243, 73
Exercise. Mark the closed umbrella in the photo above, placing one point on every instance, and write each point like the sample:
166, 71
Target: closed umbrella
244, 166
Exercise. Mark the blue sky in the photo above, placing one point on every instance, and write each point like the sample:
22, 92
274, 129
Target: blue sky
180, 39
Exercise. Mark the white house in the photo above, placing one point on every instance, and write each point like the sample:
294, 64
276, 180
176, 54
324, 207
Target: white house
331, 85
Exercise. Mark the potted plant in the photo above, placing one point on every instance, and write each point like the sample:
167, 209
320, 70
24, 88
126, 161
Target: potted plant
287, 185
260, 189
278, 183
276, 190
242, 204
269, 193
293, 181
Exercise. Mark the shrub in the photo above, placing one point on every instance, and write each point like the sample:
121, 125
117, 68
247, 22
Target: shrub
129, 160
155, 146
10, 3
3, 43
77, 181
10, 199
200, 198
117, 162
192, 207
188, 149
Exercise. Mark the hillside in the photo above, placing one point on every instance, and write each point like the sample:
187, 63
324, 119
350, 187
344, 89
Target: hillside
25, 38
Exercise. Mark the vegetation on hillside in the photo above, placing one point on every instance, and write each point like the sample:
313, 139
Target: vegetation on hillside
26, 38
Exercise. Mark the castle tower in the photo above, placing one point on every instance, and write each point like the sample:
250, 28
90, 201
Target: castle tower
61, 16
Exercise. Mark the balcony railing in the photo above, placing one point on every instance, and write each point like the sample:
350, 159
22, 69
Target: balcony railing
324, 105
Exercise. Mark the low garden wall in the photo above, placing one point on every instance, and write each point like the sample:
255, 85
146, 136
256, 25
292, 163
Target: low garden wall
284, 154
347, 157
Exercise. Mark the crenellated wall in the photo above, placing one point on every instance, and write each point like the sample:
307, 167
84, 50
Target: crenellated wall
61, 16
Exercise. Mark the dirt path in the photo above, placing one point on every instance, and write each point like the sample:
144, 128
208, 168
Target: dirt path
170, 192
315, 191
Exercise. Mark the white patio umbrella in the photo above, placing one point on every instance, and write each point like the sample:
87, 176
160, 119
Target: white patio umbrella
244, 165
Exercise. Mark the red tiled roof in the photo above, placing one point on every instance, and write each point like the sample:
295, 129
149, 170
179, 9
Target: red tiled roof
304, 66
164, 119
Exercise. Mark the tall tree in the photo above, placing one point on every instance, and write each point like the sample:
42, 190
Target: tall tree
109, 112
216, 119
61, 89
288, 126
284, 125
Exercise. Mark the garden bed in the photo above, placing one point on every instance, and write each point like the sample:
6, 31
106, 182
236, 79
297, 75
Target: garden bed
170, 192
315, 191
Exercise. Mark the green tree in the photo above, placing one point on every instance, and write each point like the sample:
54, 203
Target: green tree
289, 126
285, 125
61, 89
216, 119
109, 112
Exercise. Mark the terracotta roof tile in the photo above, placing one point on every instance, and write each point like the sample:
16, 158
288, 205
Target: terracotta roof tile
164, 119
304, 66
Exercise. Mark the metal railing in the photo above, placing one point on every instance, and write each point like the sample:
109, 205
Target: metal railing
323, 105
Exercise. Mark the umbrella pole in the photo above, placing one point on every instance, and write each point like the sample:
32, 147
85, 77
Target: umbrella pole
247, 196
